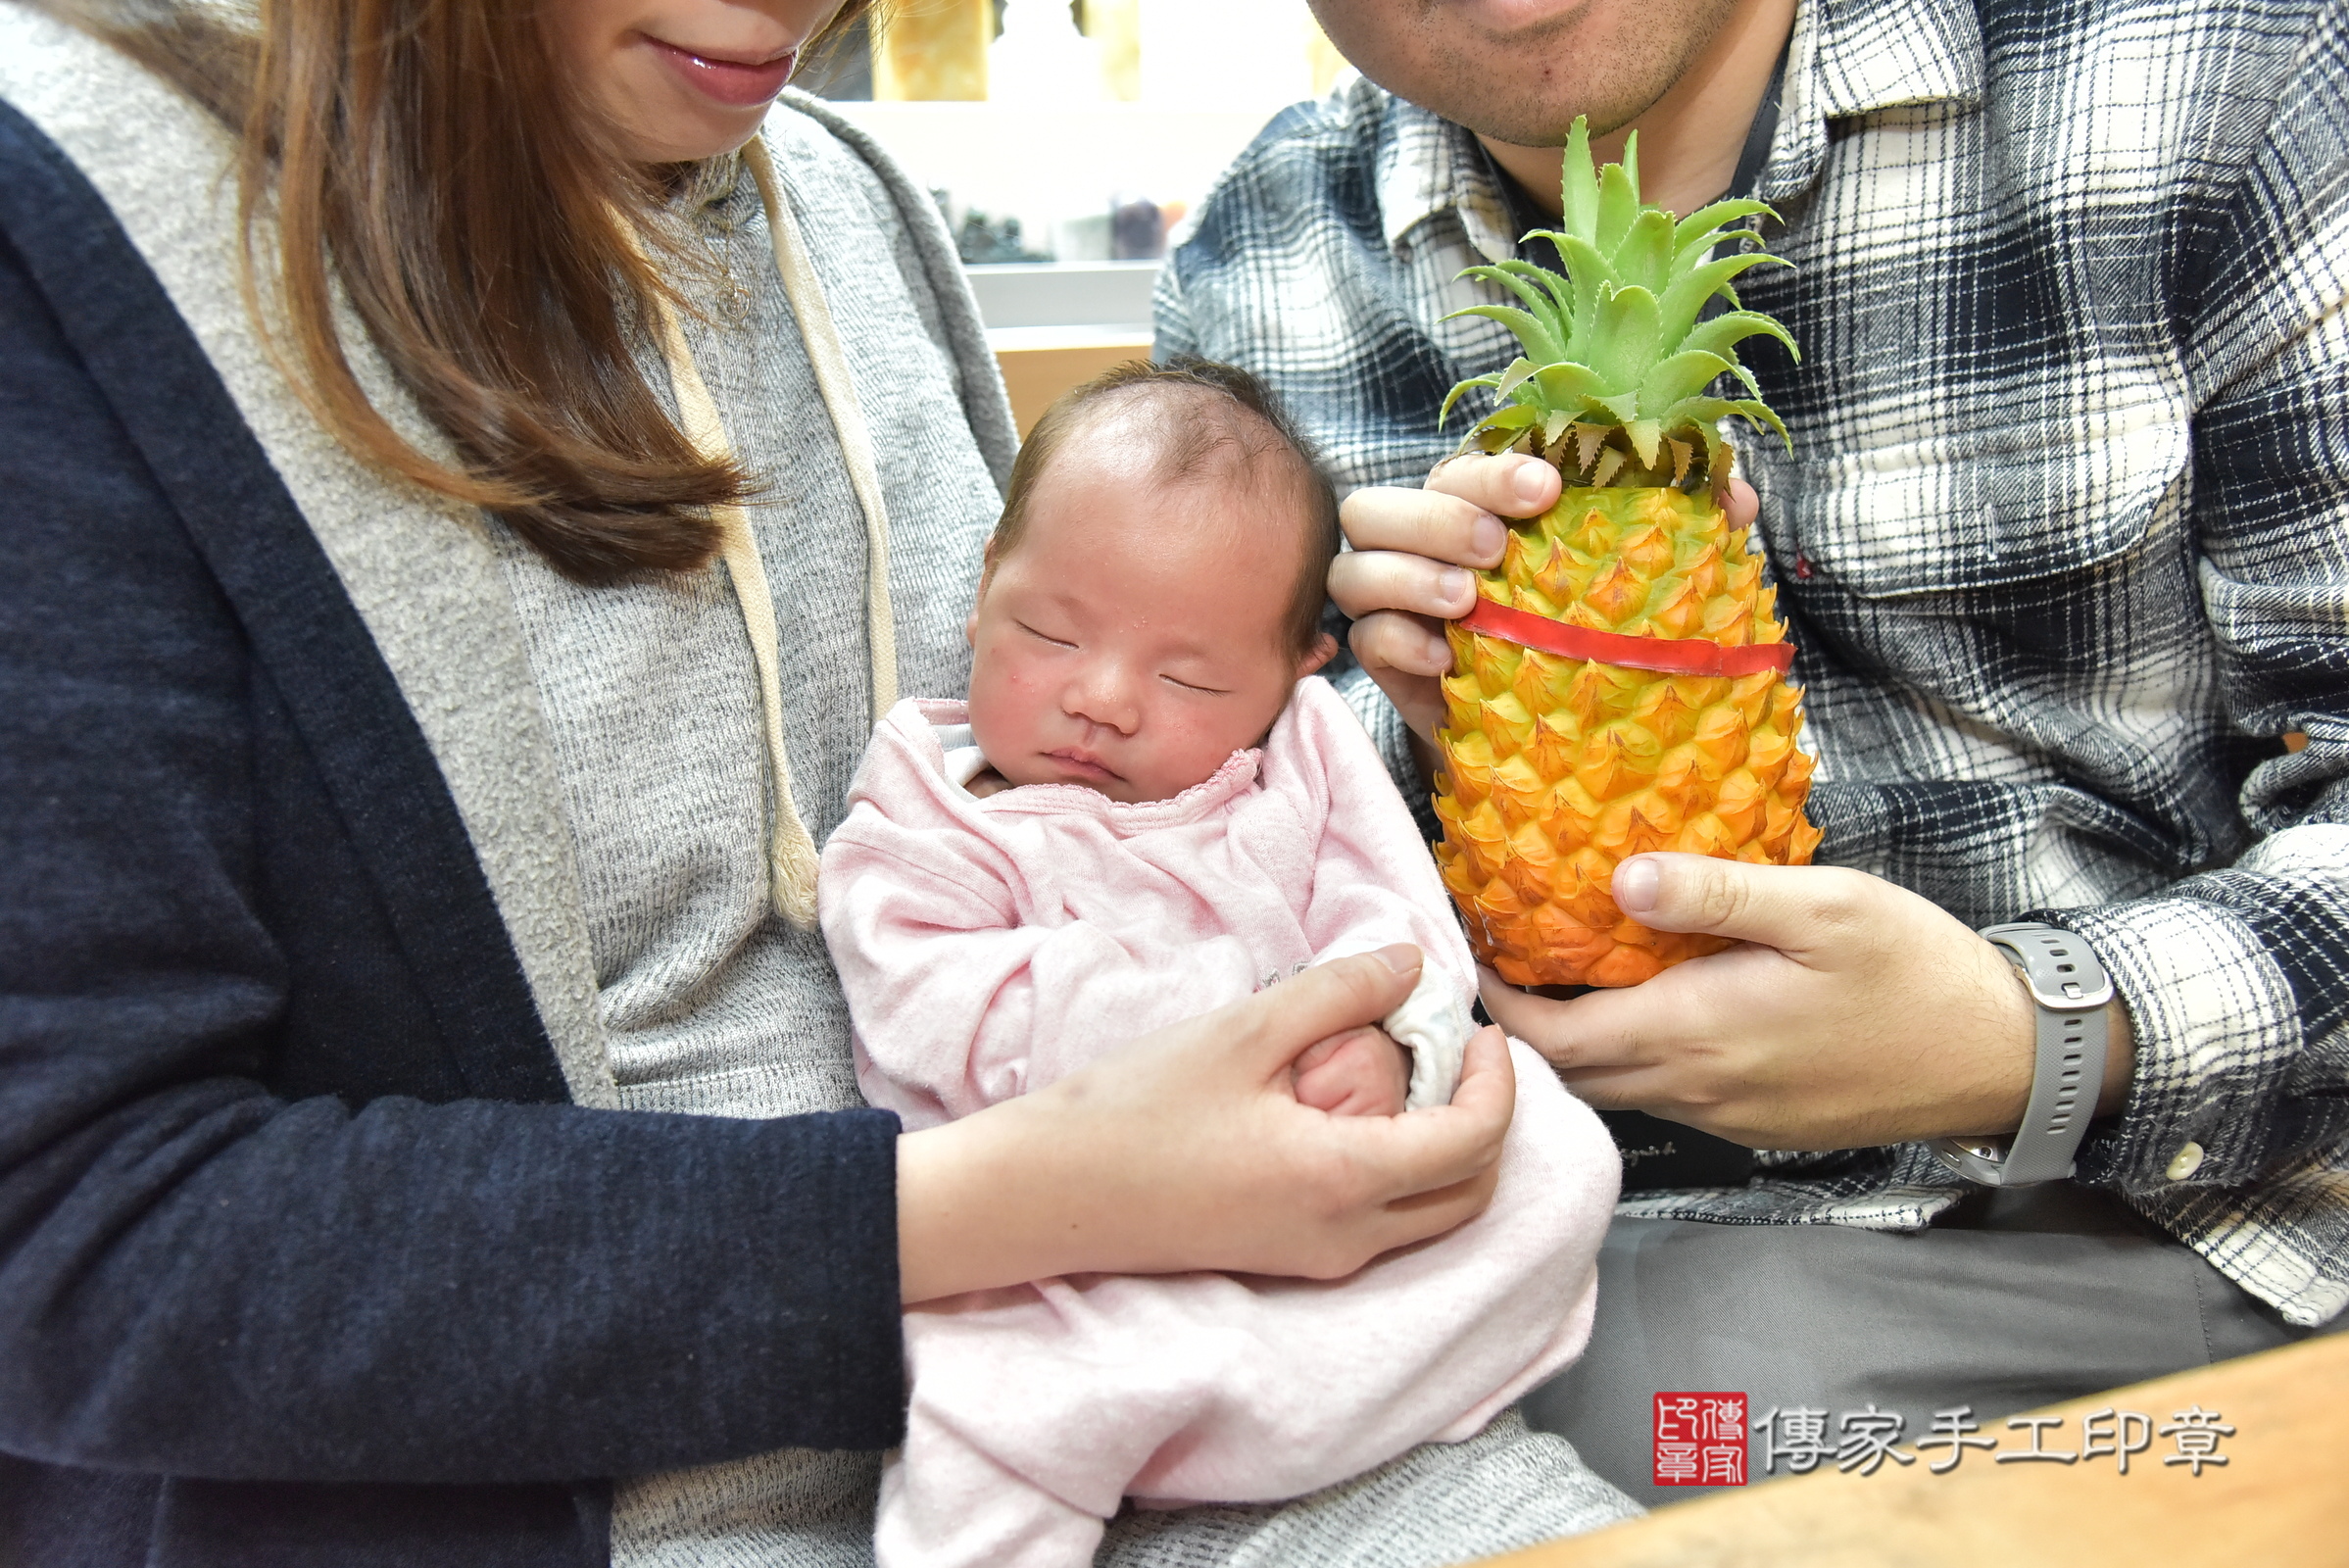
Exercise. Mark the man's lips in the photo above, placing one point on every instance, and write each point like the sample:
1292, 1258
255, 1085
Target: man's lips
736, 83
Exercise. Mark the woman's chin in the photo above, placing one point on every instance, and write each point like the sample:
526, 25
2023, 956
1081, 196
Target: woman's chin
675, 149
671, 125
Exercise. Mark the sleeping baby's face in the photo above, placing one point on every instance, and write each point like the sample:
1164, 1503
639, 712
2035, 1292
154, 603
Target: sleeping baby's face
1136, 635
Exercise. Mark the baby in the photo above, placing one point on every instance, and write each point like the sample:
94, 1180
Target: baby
1145, 812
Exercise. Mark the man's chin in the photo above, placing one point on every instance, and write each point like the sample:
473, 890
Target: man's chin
1547, 132
1531, 118
1521, 70
1528, 108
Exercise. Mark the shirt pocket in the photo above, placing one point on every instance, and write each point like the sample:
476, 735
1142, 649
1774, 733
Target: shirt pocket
1999, 503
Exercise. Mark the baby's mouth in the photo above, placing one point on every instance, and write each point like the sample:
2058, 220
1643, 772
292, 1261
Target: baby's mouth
1084, 764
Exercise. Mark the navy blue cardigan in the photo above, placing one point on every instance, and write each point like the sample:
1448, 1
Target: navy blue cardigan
304, 1256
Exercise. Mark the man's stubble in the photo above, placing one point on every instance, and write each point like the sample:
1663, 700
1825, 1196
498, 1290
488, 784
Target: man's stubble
1524, 80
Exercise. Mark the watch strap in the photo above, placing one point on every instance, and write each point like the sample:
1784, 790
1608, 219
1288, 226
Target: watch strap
2069, 989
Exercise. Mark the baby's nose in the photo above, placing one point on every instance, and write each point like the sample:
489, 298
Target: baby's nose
1103, 694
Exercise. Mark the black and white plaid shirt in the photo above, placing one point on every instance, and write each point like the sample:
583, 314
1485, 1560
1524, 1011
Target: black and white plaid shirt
2063, 539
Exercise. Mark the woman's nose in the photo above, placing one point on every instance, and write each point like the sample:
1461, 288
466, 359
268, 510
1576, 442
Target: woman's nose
1103, 693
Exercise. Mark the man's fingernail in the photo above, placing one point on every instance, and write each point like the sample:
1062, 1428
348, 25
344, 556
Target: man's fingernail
1456, 586
1636, 885
1487, 535
1531, 483
1402, 958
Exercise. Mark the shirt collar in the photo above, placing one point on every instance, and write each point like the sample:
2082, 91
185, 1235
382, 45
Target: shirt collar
1847, 56
1856, 57
1428, 165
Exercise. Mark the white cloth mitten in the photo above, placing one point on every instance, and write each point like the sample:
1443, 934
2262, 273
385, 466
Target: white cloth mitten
1433, 1025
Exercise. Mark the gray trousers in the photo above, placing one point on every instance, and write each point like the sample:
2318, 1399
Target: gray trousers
2018, 1299
1440, 1503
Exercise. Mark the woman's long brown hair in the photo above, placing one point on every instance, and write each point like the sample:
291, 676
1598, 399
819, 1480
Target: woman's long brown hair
429, 160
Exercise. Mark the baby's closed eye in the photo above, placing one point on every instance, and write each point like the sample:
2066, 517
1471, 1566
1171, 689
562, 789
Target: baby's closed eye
1043, 636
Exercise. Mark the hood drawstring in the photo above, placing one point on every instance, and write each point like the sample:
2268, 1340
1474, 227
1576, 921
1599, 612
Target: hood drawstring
791, 849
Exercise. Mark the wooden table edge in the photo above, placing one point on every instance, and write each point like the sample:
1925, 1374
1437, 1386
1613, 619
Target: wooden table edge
2282, 1497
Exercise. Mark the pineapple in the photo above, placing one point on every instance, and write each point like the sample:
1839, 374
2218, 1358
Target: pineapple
1620, 685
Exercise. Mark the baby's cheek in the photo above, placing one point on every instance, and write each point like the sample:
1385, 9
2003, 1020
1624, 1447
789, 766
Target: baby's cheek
1003, 706
1193, 746
1175, 765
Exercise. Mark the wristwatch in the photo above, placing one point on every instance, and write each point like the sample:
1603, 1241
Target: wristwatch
2071, 989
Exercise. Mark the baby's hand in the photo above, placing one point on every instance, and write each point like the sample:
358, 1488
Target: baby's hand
1359, 1073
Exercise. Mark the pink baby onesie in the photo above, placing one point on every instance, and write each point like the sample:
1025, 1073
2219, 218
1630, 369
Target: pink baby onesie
989, 947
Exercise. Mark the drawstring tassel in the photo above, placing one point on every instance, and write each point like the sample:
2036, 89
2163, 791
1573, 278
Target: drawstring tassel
791, 848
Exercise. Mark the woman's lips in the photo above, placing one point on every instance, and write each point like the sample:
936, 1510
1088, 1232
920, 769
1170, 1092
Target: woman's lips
736, 83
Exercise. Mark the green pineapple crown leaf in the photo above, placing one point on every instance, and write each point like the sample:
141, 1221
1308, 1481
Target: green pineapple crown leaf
1617, 366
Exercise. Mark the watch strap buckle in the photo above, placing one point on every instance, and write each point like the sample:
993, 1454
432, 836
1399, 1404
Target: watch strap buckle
2069, 990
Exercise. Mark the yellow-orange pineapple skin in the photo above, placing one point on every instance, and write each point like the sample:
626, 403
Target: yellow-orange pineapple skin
1555, 769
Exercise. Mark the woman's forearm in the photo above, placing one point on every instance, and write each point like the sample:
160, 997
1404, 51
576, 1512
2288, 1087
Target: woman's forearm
965, 1220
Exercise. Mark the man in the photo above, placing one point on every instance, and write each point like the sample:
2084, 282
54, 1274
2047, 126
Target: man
2060, 544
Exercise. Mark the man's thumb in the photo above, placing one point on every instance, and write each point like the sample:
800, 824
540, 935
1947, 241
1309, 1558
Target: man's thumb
1775, 905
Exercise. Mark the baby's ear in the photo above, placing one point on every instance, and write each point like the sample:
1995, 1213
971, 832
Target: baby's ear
1324, 649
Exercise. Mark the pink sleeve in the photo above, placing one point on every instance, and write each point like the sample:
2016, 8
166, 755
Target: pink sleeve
957, 1005
1374, 879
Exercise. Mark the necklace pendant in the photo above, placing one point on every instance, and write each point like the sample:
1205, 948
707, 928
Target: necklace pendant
732, 300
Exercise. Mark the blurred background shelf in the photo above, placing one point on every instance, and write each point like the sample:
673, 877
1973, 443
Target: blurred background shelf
1051, 164
1040, 363
1020, 295
1055, 325
1058, 134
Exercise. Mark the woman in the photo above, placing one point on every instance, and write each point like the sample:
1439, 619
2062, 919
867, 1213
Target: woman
464, 519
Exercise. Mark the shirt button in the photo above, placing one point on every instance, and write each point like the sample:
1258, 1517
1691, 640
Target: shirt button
2186, 1161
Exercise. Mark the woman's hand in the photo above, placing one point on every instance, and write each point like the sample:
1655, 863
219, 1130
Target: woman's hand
1403, 578
1188, 1150
1856, 1013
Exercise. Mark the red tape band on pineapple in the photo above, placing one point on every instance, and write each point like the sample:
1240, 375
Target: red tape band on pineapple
1673, 655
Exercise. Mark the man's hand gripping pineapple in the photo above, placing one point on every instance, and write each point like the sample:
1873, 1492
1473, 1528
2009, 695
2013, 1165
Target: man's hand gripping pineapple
1612, 810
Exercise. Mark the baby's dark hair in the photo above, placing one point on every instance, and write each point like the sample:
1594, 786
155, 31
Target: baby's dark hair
1230, 416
